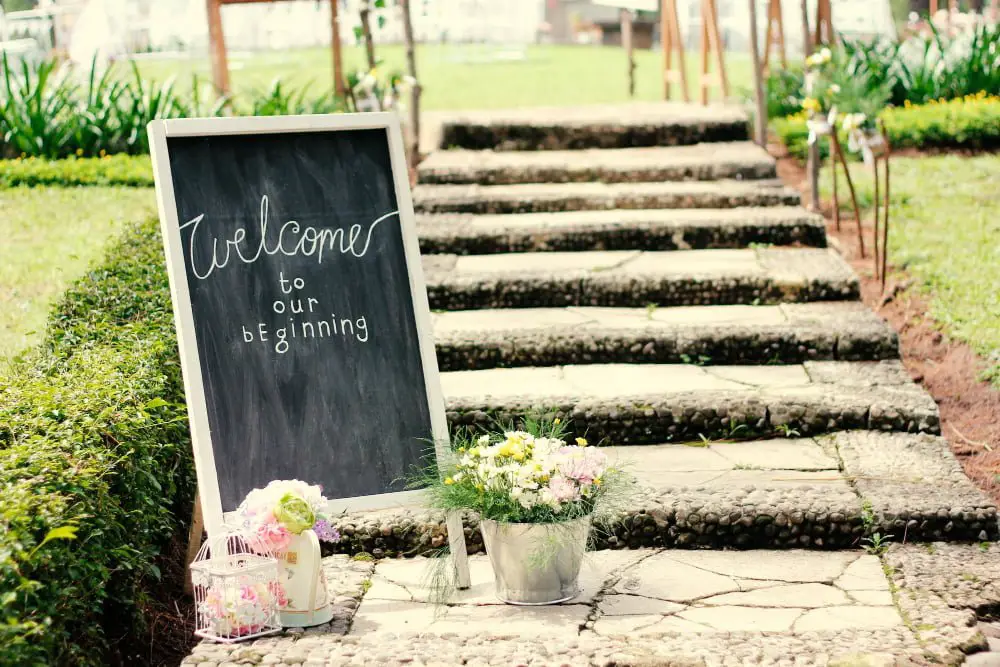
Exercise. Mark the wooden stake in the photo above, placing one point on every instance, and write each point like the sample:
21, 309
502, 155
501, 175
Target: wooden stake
711, 43
812, 168
885, 214
833, 172
338, 66
626, 19
933, 7
670, 35
760, 118
366, 32
876, 206
217, 47
195, 533
824, 23
775, 33
411, 66
850, 188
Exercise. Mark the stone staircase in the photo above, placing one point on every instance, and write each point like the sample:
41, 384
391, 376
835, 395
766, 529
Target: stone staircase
645, 278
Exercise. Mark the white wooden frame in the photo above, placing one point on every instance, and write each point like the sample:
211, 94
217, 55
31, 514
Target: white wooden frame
204, 456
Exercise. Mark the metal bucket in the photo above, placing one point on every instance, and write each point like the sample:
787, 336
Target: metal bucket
536, 563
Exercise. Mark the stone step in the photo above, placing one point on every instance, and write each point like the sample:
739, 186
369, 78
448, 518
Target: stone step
829, 492
650, 403
553, 197
619, 229
588, 126
636, 278
786, 333
698, 162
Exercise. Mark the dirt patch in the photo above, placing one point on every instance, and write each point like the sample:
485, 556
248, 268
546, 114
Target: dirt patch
947, 369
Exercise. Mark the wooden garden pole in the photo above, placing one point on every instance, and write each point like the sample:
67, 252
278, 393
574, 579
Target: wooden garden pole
366, 32
760, 118
670, 36
876, 207
217, 47
775, 34
812, 168
626, 19
411, 66
195, 532
338, 66
833, 172
711, 43
885, 215
824, 23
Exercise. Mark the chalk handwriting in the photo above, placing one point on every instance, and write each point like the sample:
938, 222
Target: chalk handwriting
293, 239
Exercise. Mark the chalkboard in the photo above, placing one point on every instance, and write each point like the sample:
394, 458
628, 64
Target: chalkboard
301, 312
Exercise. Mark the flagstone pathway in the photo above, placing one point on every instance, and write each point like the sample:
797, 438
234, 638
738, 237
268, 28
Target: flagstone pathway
638, 272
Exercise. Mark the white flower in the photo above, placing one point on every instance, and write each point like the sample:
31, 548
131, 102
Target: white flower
834, 88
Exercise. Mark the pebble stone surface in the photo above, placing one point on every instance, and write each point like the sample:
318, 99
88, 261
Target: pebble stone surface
663, 607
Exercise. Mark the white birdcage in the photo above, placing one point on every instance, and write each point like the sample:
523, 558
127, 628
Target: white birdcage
238, 588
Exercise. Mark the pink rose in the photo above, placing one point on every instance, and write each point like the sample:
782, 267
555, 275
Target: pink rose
562, 489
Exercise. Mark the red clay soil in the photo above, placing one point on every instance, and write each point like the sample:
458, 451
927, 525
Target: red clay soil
947, 369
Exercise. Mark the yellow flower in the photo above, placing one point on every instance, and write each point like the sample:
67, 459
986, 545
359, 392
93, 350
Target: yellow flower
582, 442
448, 481
597, 481
518, 457
79, 152
103, 153
557, 421
461, 450
811, 104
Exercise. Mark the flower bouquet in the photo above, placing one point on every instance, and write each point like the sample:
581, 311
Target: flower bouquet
536, 496
290, 518
283, 509
241, 611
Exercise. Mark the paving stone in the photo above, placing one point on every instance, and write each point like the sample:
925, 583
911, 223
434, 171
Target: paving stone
632, 605
779, 566
872, 598
631, 279
706, 161
845, 617
555, 197
636, 404
619, 229
743, 619
585, 126
667, 579
735, 334
790, 596
864, 574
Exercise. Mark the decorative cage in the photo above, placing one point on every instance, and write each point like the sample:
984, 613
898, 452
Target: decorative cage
238, 588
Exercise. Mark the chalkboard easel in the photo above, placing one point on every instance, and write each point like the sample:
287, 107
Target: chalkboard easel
301, 312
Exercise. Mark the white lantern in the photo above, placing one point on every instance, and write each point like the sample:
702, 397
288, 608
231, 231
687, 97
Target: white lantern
238, 588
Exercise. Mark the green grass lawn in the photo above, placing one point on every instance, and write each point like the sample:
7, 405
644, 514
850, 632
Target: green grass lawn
550, 75
50, 237
944, 230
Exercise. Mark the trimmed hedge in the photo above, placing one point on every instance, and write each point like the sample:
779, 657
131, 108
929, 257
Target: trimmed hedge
121, 169
971, 122
93, 434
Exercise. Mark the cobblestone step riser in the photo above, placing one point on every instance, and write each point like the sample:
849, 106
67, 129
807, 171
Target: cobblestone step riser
510, 292
741, 527
749, 347
709, 171
440, 239
695, 416
529, 137
427, 202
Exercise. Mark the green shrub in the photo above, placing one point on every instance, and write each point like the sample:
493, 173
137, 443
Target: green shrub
121, 169
93, 434
972, 122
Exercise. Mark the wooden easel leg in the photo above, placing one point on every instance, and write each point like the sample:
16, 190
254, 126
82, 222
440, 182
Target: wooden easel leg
195, 533
850, 188
704, 53
217, 47
459, 555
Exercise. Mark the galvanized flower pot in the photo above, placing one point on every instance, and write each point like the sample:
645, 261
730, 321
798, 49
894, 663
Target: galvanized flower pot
536, 563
